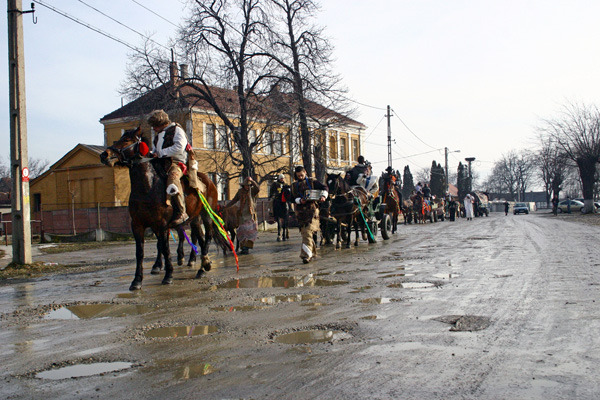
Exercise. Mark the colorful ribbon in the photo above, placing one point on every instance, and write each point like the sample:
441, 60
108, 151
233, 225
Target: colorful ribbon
220, 226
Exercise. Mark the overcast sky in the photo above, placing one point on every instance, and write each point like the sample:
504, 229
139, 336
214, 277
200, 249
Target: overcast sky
475, 76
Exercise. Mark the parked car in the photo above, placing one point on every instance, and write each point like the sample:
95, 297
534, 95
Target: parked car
576, 205
520, 208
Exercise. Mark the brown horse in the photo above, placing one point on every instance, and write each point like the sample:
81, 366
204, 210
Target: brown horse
148, 205
421, 208
392, 198
346, 205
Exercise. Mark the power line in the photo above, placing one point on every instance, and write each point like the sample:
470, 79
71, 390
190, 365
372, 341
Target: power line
373, 130
414, 134
85, 24
122, 24
155, 13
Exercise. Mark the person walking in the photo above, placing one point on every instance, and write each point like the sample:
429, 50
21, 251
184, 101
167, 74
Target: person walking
247, 231
506, 205
468, 207
307, 210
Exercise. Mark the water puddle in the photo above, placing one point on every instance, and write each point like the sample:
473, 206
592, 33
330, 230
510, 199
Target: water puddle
237, 308
465, 323
284, 270
81, 370
181, 331
360, 289
396, 275
315, 336
412, 285
379, 300
87, 311
445, 276
369, 317
277, 281
288, 299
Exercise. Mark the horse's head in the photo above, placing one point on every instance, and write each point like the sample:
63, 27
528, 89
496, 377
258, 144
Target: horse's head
125, 150
334, 183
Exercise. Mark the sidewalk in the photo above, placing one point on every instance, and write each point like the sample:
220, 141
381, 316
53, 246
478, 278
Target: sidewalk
7, 257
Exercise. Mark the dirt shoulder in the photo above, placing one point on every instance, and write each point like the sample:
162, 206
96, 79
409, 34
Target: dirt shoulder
588, 219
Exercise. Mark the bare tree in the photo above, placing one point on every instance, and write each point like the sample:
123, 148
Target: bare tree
304, 57
553, 167
146, 70
577, 132
512, 174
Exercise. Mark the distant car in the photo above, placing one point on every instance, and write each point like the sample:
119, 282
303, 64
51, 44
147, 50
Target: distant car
520, 208
576, 205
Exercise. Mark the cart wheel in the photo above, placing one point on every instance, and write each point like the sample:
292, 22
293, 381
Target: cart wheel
373, 227
386, 226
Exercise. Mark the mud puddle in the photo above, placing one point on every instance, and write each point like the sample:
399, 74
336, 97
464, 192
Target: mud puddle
288, 299
82, 370
88, 311
369, 317
314, 336
182, 370
412, 285
181, 331
276, 282
396, 275
237, 308
360, 289
379, 300
465, 323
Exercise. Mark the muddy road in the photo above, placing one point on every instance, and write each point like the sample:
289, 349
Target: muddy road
496, 308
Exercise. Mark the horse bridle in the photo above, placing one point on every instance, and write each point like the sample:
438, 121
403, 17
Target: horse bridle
121, 153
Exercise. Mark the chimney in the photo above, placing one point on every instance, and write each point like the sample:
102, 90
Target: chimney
184, 71
173, 72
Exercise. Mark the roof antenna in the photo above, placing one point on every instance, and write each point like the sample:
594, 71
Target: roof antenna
172, 56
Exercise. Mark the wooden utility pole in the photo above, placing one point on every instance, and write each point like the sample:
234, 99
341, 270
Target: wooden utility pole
21, 226
389, 132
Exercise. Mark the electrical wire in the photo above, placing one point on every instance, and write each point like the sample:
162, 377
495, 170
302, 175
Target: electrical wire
410, 130
155, 13
91, 27
123, 25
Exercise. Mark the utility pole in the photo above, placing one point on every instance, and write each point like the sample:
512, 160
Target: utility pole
446, 168
470, 160
389, 132
21, 226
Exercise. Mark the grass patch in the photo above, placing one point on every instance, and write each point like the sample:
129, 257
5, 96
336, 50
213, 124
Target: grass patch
14, 270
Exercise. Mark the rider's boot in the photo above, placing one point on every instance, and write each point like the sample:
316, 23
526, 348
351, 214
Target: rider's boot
179, 214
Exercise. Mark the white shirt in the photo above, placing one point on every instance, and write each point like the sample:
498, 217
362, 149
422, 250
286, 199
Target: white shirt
177, 150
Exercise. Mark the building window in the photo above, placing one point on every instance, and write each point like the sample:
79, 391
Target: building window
355, 153
332, 147
222, 138
37, 202
277, 144
221, 181
189, 131
343, 149
209, 136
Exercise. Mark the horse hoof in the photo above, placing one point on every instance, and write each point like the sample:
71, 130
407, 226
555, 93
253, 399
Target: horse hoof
167, 281
206, 263
191, 264
180, 261
155, 270
135, 285
199, 274
348, 246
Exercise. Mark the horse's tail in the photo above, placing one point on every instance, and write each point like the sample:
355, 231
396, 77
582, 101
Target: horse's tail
219, 239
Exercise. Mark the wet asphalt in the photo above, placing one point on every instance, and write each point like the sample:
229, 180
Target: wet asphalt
494, 308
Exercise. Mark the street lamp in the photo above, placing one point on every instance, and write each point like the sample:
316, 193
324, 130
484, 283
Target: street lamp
470, 160
446, 152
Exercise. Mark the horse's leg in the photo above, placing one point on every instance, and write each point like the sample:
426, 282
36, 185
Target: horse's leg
349, 230
206, 239
180, 251
338, 235
166, 252
286, 231
195, 240
357, 227
138, 234
158, 264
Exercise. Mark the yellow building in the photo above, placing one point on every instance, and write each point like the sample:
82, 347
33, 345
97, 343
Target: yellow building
80, 180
